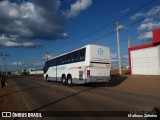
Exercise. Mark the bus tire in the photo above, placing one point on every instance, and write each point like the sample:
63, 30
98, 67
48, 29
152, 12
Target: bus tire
47, 78
64, 80
69, 80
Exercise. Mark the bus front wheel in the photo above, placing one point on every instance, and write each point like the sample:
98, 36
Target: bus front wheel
47, 78
64, 80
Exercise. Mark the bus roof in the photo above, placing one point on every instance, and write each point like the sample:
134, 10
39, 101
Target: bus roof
74, 51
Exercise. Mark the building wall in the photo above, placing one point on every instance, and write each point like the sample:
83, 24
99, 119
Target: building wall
35, 72
145, 61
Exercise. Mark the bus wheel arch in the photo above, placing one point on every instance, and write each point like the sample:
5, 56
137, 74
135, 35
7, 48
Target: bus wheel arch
69, 79
47, 77
63, 79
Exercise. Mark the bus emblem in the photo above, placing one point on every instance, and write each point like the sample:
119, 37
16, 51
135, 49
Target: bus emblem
100, 51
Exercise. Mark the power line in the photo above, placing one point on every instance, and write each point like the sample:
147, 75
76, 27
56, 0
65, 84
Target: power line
128, 25
110, 23
135, 22
107, 25
112, 31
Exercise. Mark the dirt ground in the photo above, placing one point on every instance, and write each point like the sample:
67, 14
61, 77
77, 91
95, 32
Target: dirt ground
135, 83
138, 83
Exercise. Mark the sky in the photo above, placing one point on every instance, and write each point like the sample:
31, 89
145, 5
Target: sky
31, 28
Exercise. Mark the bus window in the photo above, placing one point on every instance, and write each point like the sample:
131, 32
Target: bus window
76, 56
82, 54
65, 59
53, 62
69, 58
56, 61
45, 65
72, 57
62, 60
48, 64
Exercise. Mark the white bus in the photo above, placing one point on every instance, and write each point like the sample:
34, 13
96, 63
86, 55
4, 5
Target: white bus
87, 64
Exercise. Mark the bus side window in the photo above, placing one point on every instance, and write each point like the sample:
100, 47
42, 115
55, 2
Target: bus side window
72, 57
82, 55
59, 61
53, 62
66, 59
56, 61
47, 63
69, 58
62, 60
76, 58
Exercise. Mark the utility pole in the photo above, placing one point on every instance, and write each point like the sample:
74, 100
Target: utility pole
129, 42
118, 44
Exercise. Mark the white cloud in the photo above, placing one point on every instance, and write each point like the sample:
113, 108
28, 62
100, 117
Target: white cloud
148, 20
125, 57
32, 19
16, 63
11, 41
138, 15
10, 37
63, 35
77, 7
148, 26
114, 55
126, 10
38, 63
150, 23
114, 58
155, 10
151, 13
120, 27
145, 36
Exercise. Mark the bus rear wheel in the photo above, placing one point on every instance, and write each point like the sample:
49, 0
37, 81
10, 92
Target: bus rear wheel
69, 80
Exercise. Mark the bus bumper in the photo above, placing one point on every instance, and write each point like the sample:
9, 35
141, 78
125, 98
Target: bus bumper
96, 79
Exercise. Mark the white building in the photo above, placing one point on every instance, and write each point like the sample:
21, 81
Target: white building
145, 59
33, 71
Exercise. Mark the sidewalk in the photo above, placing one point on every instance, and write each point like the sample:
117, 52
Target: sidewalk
6, 96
